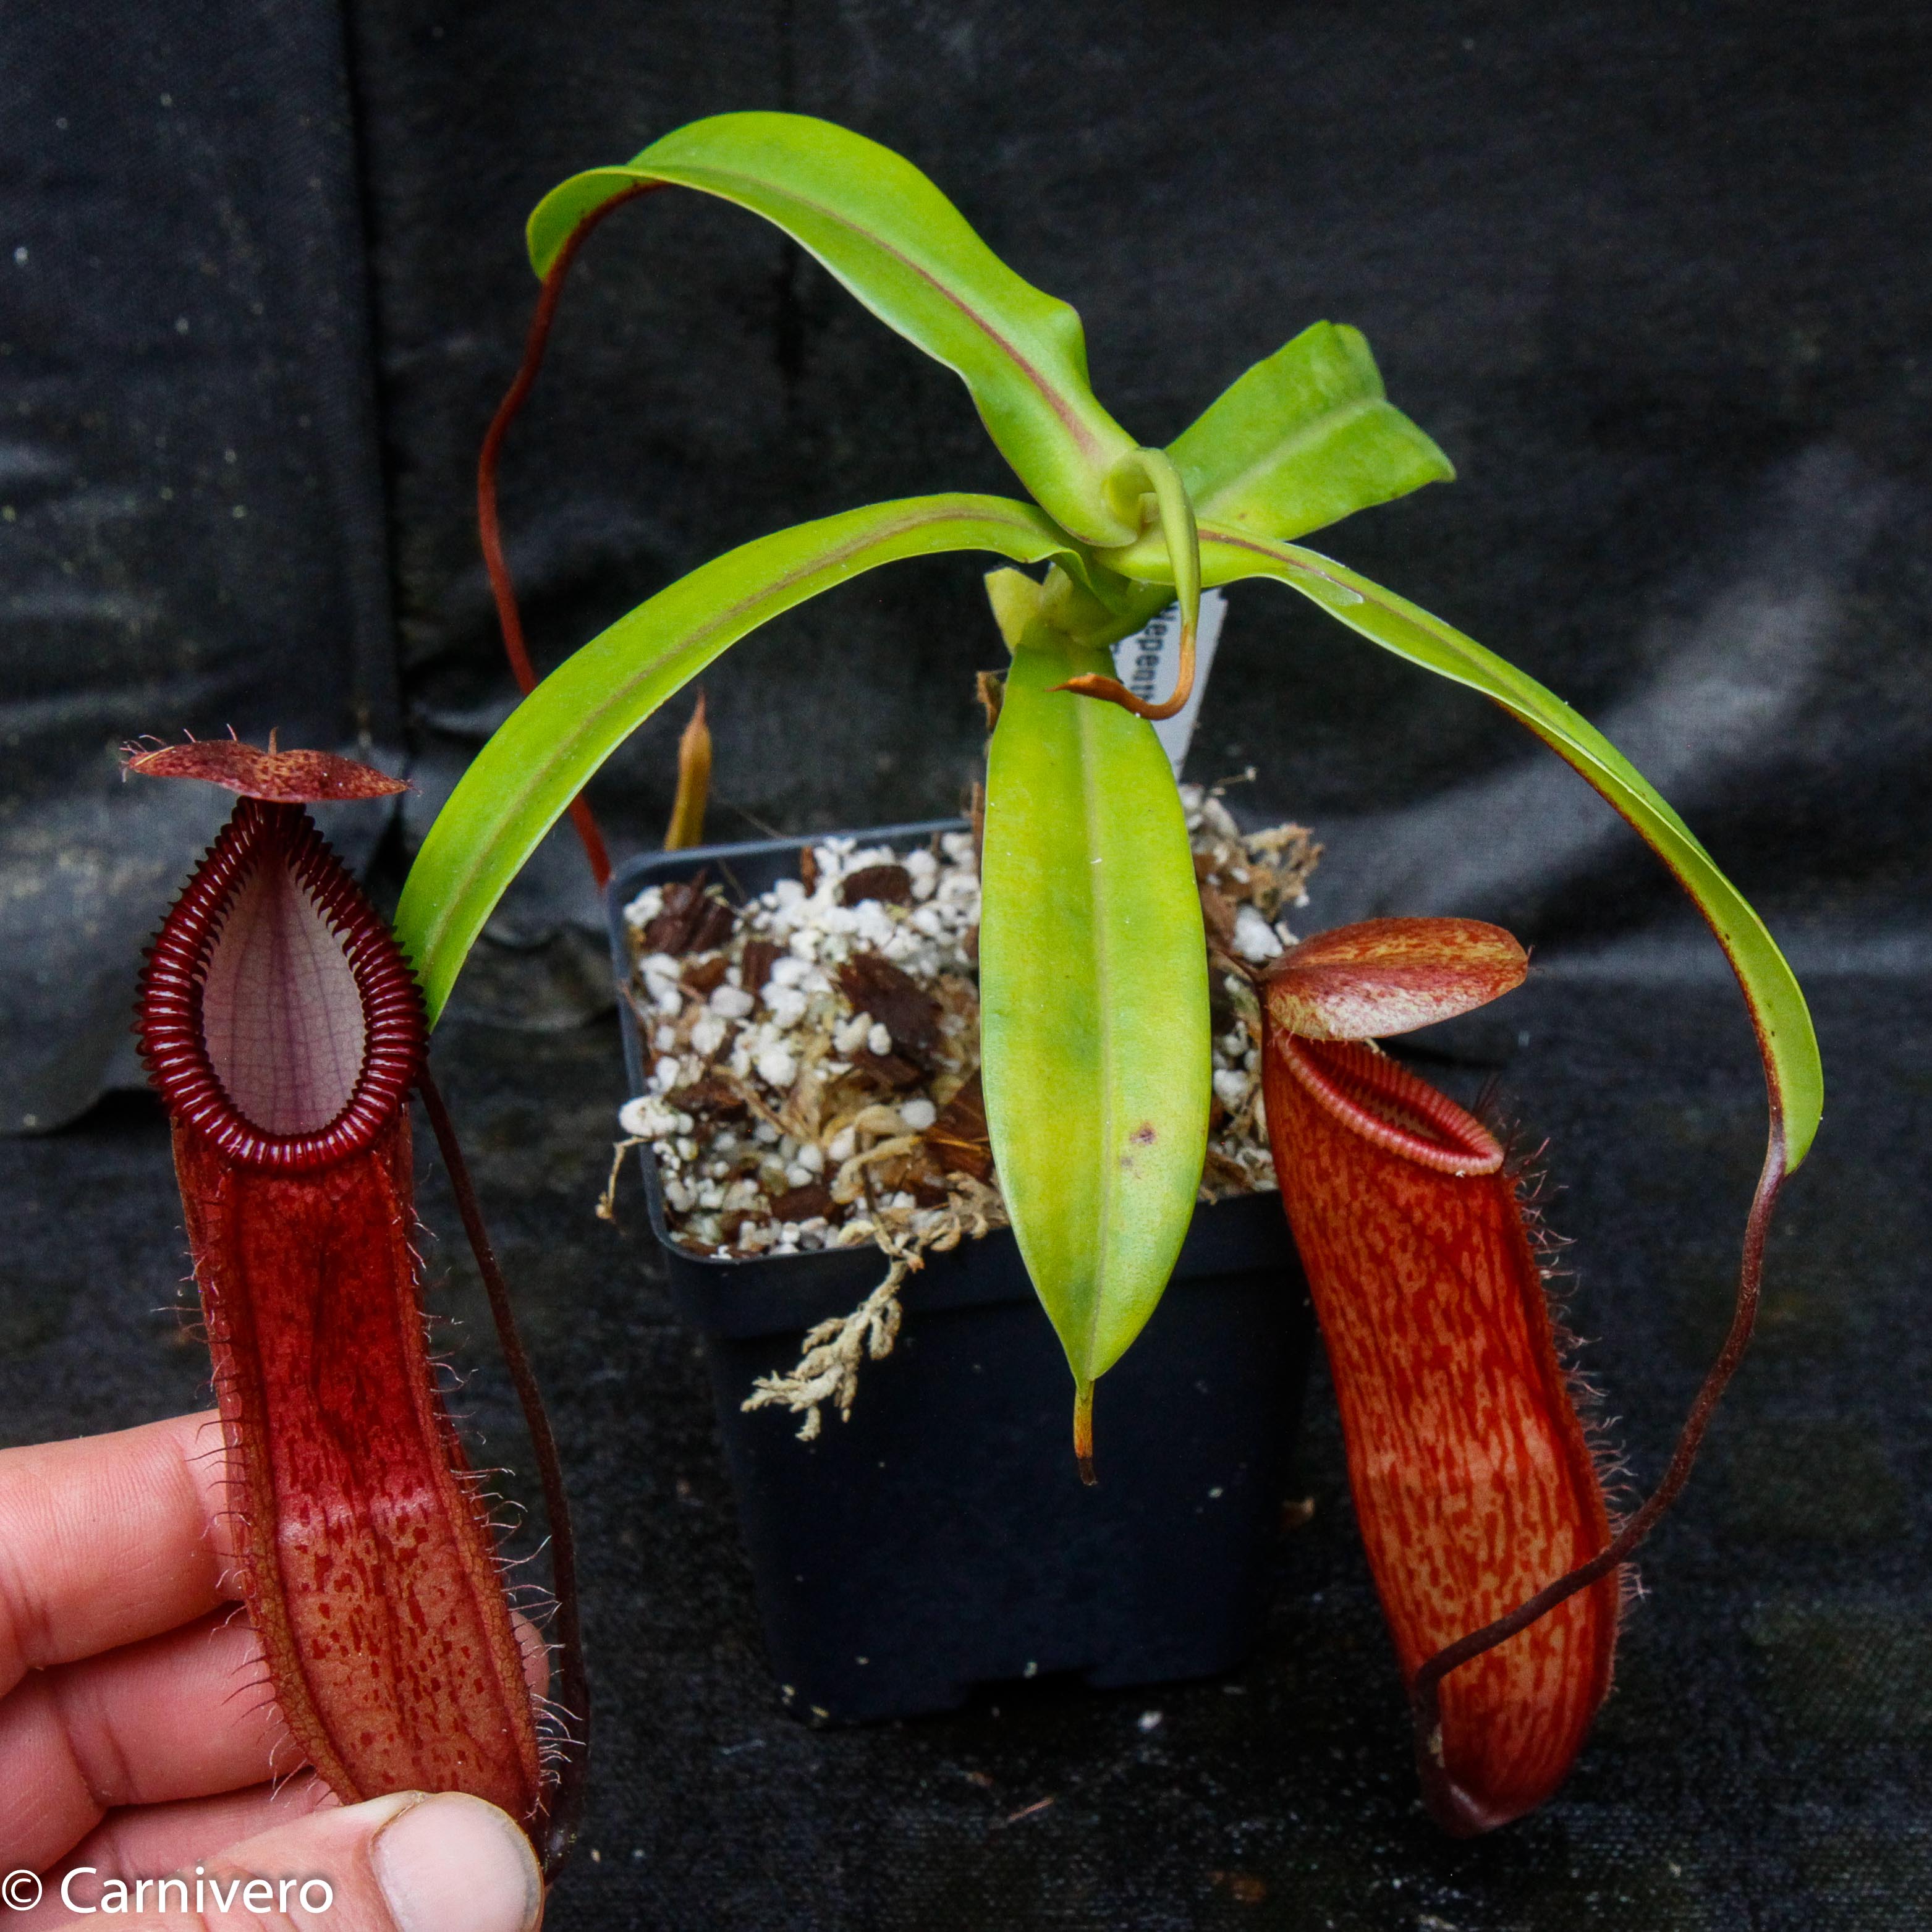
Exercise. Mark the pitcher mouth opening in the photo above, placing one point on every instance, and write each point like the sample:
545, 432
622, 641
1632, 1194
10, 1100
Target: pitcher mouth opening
271, 929
1385, 1103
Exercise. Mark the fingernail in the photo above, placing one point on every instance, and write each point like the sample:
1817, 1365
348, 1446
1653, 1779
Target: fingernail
452, 1864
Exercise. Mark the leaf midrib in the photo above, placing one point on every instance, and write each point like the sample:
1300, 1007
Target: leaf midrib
1092, 806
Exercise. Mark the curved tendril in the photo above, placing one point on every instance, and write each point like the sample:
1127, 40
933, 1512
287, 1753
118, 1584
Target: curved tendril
488, 526
1154, 470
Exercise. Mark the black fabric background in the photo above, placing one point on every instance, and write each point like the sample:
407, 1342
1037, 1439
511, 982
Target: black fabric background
193, 530
1655, 277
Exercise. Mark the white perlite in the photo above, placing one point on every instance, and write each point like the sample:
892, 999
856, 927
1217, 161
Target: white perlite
783, 1118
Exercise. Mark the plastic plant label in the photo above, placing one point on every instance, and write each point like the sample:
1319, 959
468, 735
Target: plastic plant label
1146, 664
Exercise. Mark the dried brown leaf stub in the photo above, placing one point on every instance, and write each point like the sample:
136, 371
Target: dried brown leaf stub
694, 783
1390, 975
277, 777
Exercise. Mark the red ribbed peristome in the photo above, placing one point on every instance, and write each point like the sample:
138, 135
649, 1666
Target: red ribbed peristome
169, 1021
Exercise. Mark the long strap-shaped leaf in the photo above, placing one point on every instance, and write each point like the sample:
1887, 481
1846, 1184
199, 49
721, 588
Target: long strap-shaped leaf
1095, 1041
1789, 1046
886, 232
523, 779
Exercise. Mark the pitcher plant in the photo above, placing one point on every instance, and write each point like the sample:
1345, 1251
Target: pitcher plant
1495, 1554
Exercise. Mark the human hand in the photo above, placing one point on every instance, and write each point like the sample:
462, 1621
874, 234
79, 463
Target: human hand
139, 1737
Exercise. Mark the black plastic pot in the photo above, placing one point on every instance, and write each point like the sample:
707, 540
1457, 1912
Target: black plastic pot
941, 1539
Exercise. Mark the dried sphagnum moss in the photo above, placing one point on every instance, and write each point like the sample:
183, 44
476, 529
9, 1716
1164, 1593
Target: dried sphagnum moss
813, 1060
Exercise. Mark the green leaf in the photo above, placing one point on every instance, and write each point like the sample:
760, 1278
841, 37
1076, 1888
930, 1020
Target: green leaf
523, 779
1786, 1038
886, 232
1302, 439
1093, 995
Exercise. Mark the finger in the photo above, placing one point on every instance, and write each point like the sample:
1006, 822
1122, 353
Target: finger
405, 1864
109, 1539
147, 1838
185, 1715
179, 1716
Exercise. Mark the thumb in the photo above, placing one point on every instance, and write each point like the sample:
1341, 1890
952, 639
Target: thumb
407, 1863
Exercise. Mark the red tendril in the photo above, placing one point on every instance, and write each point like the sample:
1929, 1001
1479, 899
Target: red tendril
488, 527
